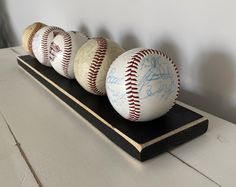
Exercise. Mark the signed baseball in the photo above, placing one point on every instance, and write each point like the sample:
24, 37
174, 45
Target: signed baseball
28, 35
92, 62
63, 50
42, 41
142, 84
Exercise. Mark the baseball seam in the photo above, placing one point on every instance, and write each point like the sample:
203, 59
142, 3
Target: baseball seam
96, 64
131, 81
66, 54
37, 27
44, 43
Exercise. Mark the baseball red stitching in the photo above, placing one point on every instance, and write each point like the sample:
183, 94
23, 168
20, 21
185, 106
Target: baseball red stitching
66, 54
44, 43
37, 27
96, 64
131, 81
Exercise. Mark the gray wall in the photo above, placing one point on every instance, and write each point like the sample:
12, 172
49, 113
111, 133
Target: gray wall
7, 37
198, 35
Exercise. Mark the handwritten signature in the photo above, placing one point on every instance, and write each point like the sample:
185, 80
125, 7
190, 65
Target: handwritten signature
112, 79
157, 78
113, 84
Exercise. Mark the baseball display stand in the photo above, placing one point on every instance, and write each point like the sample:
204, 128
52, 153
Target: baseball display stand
142, 140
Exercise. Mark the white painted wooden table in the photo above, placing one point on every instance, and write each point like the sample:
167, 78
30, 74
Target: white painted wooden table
44, 143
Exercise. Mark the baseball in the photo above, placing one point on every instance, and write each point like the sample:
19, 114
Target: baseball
63, 50
42, 41
142, 84
28, 35
92, 62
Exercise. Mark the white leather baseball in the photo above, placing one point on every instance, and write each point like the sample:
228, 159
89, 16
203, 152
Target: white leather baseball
63, 50
28, 35
142, 84
42, 41
92, 62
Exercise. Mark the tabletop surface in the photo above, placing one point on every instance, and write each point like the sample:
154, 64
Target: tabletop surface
45, 143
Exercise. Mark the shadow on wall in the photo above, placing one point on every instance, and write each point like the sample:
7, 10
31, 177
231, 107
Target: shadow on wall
84, 29
129, 41
216, 74
102, 32
7, 38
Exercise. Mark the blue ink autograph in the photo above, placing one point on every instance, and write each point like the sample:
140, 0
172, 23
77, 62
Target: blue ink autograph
112, 79
157, 79
112, 82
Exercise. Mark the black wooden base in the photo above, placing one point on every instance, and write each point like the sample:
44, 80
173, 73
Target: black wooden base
142, 140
